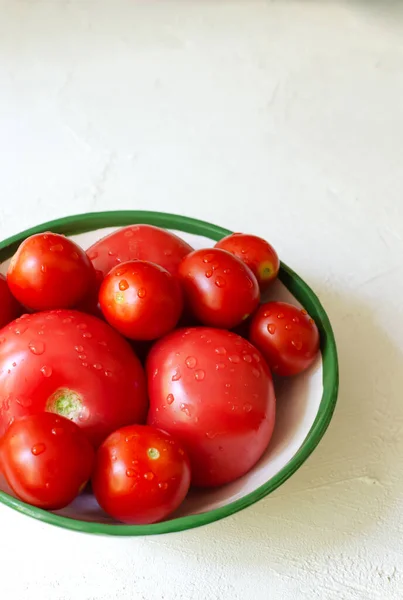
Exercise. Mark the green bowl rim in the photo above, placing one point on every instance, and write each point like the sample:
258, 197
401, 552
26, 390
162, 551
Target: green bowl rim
82, 223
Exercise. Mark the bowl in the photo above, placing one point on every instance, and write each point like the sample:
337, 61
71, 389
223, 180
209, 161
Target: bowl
305, 403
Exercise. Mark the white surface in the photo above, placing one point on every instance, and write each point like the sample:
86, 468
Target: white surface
293, 109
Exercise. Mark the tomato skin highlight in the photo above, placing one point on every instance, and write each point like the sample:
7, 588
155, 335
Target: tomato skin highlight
10, 309
141, 300
286, 336
220, 290
46, 460
141, 475
255, 252
139, 242
212, 390
73, 364
50, 271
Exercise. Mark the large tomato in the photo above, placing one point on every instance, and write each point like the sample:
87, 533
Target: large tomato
46, 460
143, 242
10, 309
141, 300
72, 364
287, 337
50, 271
141, 475
254, 251
220, 290
214, 392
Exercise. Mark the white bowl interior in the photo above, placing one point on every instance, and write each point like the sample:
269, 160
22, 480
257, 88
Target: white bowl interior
298, 401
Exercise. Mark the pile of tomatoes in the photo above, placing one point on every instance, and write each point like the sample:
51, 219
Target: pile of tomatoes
140, 367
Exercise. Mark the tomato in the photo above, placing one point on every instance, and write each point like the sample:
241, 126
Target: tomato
287, 337
141, 475
50, 271
254, 251
214, 392
141, 300
220, 290
9, 307
46, 460
142, 242
74, 365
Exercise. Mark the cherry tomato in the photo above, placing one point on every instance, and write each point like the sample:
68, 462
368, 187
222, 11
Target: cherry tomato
9, 307
46, 460
214, 392
141, 300
220, 290
50, 271
141, 475
72, 364
254, 251
287, 337
142, 242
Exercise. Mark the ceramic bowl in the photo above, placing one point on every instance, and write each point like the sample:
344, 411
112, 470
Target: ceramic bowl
305, 403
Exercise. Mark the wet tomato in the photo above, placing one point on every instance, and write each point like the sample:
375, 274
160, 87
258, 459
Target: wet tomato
214, 392
46, 460
287, 337
142, 242
10, 309
50, 271
141, 475
72, 364
141, 300
220, 290
254, 251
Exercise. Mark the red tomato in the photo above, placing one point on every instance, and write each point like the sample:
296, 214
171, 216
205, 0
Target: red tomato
50, 271
220, 290
141, 300
142, 242
74, 365
287, 337
214, 392
46, 460
9, 307
254, 251
141, 475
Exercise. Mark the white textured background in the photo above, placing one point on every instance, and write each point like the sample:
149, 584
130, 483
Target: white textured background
282, 118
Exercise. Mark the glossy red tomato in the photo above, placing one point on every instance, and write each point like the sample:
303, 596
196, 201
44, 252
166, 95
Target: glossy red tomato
50, 271
142, 242
214, 392
46, 460
254, 251
141, 475
220, 290
10, 309
287, 337
74, 365
141, 300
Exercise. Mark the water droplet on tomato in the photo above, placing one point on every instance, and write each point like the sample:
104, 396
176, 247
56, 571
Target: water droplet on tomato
220, 366
57, 430
208, 257
111, 253
149, 476
123, 285
46, 371
200, 375
36, 347
84, 364
227, 385
82, 356
103, 343
296, 319
163, 485
38, 449
211, 435
177, 375
170, 398
108, 373
288, 327
191, 362
167, 252
234, 358
209, 274
57, 248
141, 293
93, 254
78, 348
67, 320
121, 271
311, 321
267, 313
220, 350
247, 407
84, 414
87, 334
184, 408
256, 357
297, 344
220, 281
74, 256
256, 372
226, 271
131, 473
280, 316
97, 366
14, 364
271, 328
128, 233
304, 312
82, 326
247, 358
